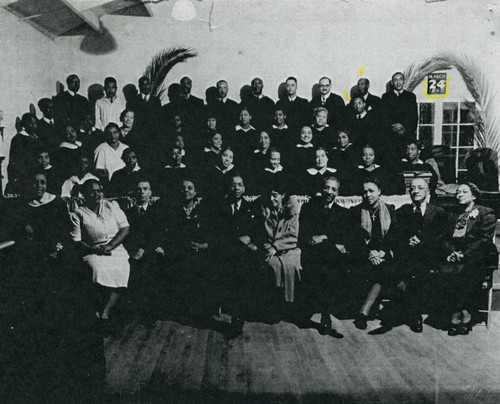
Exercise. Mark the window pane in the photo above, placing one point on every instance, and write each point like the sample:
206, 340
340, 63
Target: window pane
466, 114
450, 135
466, 135
426, 135
426, 113
450, 110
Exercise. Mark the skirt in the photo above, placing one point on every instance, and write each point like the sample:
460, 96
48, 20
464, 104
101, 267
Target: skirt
110, 270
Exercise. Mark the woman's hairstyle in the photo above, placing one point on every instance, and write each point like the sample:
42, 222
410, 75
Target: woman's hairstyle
372, 180
244, 108
211, 135
346, 131
415, 142
473, 189
368, 146
128, 151
273, 150
124, 112
111, 125
86, 187
318, 110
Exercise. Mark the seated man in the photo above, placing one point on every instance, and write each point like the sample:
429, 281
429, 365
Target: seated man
363, 126
322, 241
143, 245
419, 232
235, 249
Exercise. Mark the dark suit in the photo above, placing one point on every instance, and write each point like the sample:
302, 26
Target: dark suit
147, 113
48, 135
323, 263
414, 264
372, 103
146, 277
226, 113
297, 113
335, 106
72, 108
399, 109
261, 109
235, 262
365, 130
22, 158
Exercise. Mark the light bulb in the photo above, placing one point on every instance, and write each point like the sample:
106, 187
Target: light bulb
183, 10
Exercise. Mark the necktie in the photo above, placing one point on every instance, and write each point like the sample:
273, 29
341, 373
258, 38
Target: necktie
418, 216
358, 116
142, 211
235, 208
323, 100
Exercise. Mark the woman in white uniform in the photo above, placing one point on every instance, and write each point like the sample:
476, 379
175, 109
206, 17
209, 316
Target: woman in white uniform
100, 228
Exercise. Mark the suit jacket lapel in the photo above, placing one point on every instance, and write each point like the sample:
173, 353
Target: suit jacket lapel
429, 214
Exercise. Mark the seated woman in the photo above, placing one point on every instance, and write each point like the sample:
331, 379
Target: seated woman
69, 150
391, 183
371, 223
344, 155
124, 181
108, 155
170, 178
127, 132
302, 155
216, 176
412, 162
261, 154
322, 132
471, 250
43, 165
280, 133
310, 182
70, 190
99, 228
243, 139
272, 172
278, 233
187, 249
212, 151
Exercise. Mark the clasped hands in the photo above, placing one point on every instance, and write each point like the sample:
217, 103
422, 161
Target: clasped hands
376, 257
455, 256
398, 128
319, 239
413, 241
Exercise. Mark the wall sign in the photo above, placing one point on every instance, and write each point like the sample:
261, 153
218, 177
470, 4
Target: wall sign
437, 86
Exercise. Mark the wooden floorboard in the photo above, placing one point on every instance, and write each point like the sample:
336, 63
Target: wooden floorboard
283, 363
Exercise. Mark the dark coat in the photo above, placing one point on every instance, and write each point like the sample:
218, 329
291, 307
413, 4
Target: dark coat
335, 106
70, 108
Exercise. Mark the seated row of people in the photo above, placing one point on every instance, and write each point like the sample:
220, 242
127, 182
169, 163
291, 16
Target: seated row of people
220, 253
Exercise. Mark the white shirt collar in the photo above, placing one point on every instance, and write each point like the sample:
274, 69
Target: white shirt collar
416, 162
398, 93
364, 168
285, 126
325, 97
238, 127
48, 167
260, 96
366, 96
291, 99
314, 171
145, 97
72, 146
72, 93
225, 170
143, 206
362, 115
305, 146
274, 170
182, 165
423, 207
49, 121
46, 198
24, 133
223, 100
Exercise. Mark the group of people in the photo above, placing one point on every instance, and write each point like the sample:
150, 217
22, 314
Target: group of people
228, 227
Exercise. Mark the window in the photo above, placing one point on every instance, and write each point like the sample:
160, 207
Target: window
449, 124
458, 133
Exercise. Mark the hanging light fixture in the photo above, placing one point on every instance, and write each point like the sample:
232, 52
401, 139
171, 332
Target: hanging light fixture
183, 10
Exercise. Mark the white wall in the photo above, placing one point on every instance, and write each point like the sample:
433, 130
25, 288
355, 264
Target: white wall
268, 38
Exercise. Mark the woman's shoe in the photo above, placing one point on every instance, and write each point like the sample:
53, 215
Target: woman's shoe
454, 329
464, 329
361, 321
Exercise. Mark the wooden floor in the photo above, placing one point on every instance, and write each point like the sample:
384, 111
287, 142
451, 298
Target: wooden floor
282, 363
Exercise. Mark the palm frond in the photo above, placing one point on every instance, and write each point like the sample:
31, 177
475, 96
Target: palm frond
418, 71
161, 64
485, 108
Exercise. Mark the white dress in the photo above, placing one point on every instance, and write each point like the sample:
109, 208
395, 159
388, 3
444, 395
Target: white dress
108, 270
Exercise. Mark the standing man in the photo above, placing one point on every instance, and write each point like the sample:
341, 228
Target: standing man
108, 108
261, 106
46, 129
146, 106
372, 102
191, 107
332, 102
225, 109
419, 232
295, 108
400, 114
69, 106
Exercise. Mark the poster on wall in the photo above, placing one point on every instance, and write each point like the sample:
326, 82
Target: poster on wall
437, 84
